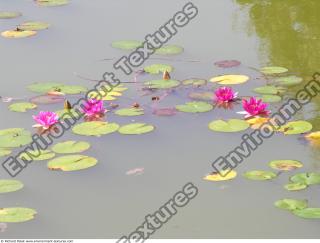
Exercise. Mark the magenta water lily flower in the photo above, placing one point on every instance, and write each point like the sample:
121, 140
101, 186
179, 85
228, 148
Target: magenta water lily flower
254, 107
225, 94
94, 107
45, 119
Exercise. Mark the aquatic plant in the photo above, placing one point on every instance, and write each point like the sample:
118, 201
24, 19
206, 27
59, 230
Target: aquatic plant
45, 119
225, 94
254, 107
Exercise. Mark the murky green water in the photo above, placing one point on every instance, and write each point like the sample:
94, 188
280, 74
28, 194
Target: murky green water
104, 202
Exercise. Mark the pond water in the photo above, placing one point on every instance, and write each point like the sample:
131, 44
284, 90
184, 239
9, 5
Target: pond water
105, 202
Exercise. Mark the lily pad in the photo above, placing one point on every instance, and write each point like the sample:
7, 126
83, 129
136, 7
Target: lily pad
158, 68
18, 33
227, 63
195, 107
9, 15
52, 86
162, 84
295, 186
230, 79
136, 128
129, 112
126, 44
308, 213
194, 82
14, 137
311, 178
273, 70
44, 155
260, 175
285, 165
288, 81
52, 3
217, 177
95, 128
270, 98
296, 127
10, 186
269, 90
201, 95
47, 99
16, 215
169, 50
111, 95
232, 125
70, 147
33, 25
22, 107
4, 152
72, 163
291, 204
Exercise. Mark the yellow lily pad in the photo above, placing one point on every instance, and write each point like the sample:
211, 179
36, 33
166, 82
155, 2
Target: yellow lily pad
217, 177
230, 79
18, 33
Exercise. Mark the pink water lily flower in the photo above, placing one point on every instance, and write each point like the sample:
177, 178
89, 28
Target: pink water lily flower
254, 107
94, 107
45, 119
225, 94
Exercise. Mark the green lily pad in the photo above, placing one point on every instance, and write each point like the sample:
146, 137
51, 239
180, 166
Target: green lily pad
10, 186
269, 90
9, 15
72, 163
52, 3
158, 68
136, 129
126, 44
95, 128
288, 81
285, 165
232, 125
201, 95
162, 84
14, 137
195, 107
169, 50
22, 107
271, 98
4, 152
51, 86
70, 147
295, 186
130, 112
308, 213
273, 70
195, 82
18, 33
312, 178
260, 175
33, 25
296, 127
44, 155
16, 215
291, 204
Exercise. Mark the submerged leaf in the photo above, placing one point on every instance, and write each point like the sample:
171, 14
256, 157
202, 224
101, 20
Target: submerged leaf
232, 125
69, 147
16, 215
291, 204
227, 63
169, 50
285, 165
273, 70
288, 81
22, 107
195, 107
130, 112
162, 84
9, 15
217, 177
260, 175
230, 79
72, 162
95, 128
270, 98
194, 82
165, 111
201, 95
10, 186
126, 44
52, 86
269, 90
47, 99
158, 68
136, 128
